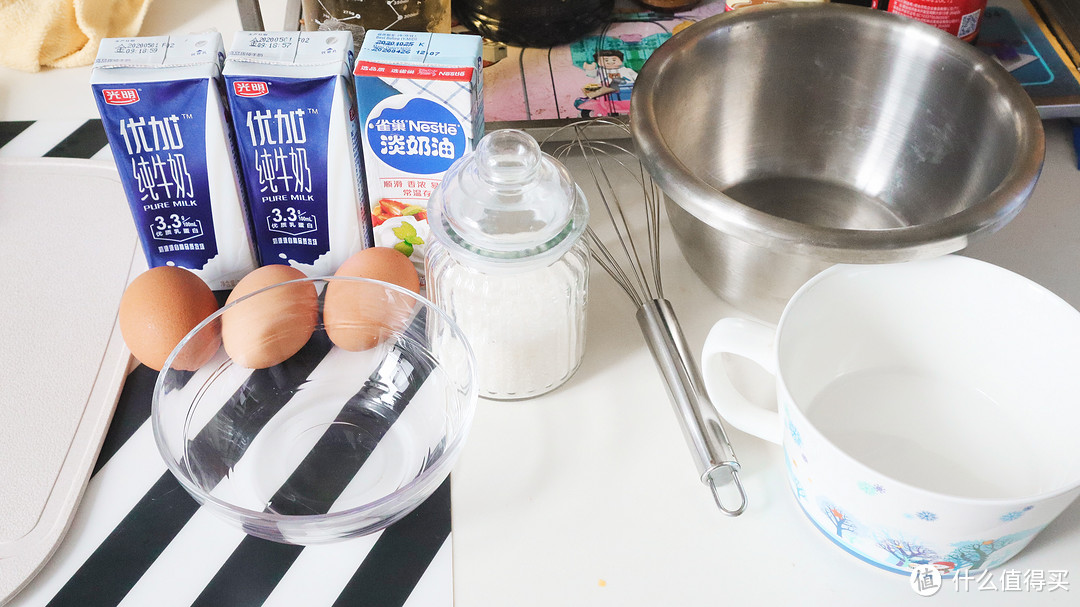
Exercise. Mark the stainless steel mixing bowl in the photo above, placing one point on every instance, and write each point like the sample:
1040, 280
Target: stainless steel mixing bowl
793, 136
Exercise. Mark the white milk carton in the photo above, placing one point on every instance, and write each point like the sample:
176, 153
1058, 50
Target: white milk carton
294, 116
420, 98
160, 103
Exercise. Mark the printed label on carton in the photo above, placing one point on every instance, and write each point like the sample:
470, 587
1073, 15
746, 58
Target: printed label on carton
120, 96
159, 153
161, 109
282, 139
423, 137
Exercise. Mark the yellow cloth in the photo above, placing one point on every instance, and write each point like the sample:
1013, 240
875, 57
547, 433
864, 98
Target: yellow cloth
63, 33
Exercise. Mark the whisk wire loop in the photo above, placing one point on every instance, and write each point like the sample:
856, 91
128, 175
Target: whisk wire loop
638, 272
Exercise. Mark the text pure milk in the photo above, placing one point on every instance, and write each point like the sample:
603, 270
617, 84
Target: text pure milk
294, 116
160, 103
421, 108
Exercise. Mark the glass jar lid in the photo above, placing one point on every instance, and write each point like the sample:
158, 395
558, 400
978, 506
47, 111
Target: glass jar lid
507, 202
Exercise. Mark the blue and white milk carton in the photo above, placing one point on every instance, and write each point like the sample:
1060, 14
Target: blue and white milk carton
294, 116
420, 97
161, 106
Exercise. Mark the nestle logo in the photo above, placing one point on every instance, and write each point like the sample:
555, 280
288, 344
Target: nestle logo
120, 96
250, 89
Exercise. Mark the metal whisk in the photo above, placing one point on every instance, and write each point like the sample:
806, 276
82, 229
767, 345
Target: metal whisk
637, 272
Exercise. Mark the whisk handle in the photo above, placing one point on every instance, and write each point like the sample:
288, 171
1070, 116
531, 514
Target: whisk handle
700, 423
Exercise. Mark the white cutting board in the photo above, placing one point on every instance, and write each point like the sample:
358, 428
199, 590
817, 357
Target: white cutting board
67, 249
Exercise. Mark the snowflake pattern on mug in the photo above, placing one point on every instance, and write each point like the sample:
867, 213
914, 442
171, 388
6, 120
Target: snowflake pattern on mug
795, 436
870, 489
922, 515
799, 491
1015, 514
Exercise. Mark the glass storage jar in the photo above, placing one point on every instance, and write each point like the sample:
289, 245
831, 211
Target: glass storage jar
509, 265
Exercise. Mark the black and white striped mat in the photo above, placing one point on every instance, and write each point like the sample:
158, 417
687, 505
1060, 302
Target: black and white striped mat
139, 539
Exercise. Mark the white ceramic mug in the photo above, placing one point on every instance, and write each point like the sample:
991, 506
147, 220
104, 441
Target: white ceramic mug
928, 410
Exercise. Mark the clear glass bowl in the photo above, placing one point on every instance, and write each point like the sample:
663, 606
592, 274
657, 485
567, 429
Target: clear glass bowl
332, 442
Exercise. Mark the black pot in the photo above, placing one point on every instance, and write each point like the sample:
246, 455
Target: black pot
536, 23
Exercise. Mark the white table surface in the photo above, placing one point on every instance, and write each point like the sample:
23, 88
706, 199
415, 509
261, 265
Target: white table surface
588, 495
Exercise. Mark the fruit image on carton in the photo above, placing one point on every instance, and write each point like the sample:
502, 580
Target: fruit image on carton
420, 100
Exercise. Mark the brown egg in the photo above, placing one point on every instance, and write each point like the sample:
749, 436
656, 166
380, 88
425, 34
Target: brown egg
270, 327
360, 315
159, 308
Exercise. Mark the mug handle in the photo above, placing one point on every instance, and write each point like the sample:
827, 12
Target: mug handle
752, 340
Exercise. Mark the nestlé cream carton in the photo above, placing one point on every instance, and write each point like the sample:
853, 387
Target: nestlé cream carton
420, 99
